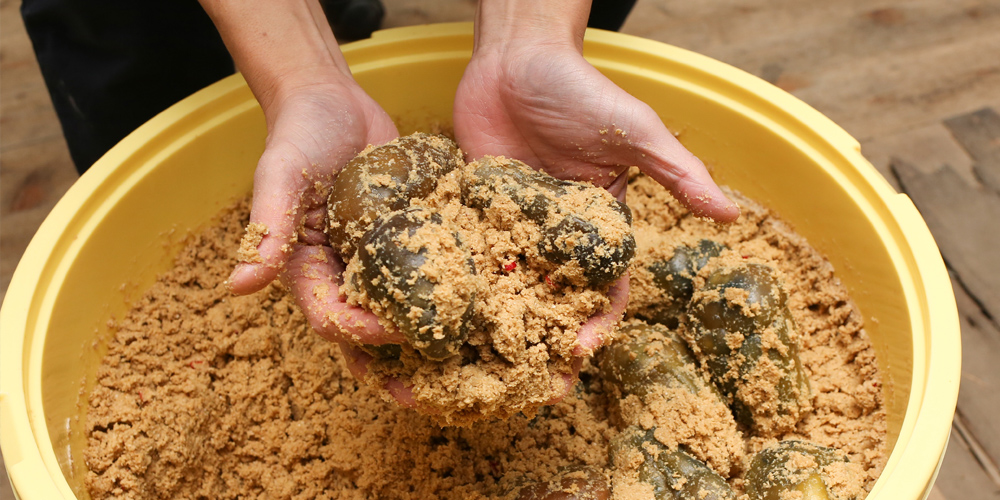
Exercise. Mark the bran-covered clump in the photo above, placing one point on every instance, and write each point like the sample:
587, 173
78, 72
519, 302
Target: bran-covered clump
489, 270
206, 395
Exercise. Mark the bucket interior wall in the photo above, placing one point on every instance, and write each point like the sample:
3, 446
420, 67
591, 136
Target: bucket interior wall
181, 177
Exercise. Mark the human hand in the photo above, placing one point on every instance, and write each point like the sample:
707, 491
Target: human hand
318, 119
529, 94
545, 105
589, 338
313, 132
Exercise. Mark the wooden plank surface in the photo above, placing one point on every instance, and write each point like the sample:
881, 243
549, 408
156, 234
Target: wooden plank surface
964, 216
960, 217
978, 405
979, 134
925, 148
917, 80
961, 476
875, 68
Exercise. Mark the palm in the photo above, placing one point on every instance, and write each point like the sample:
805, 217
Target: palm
549, 111
556, 112
312, 134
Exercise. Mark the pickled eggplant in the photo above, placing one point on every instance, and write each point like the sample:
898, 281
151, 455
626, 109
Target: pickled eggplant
650, 355
383, 180
578, 240
798, 469
566, 237
534, 192
673, 474
673, 277
742, 333
570, 483
401, 262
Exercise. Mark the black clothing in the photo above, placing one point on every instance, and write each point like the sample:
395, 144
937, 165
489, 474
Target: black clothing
111, 65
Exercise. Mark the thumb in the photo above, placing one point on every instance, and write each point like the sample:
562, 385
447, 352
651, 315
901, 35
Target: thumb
311, 275
596, 330
278, 190
645, 142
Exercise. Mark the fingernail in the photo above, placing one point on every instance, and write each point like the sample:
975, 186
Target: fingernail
232, 277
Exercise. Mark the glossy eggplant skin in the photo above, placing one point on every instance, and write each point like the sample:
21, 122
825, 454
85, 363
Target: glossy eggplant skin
674, 278
390, 274
384, 180
565, 236
747, 346
533, 191
570, 483
776, 473
650, 355
673, 474
574, 238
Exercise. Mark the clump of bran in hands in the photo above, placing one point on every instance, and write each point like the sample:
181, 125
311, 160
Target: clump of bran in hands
489, 270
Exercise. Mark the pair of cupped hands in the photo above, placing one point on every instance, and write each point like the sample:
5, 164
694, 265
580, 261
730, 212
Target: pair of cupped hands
543, 104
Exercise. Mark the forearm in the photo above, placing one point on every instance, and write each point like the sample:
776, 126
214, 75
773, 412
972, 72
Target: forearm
526, 24
278, 45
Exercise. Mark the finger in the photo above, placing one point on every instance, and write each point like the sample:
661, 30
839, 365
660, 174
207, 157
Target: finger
277, 197
357, 363
644, 141
402, 394
688, 180
564, 382
637, 136
356, 359
619, 187
598, 327
311, 275
312, 231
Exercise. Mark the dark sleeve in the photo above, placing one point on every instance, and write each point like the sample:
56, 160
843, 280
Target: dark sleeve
111, 65
609, 14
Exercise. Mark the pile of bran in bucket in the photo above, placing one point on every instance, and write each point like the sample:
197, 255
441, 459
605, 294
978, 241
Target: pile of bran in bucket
207, 395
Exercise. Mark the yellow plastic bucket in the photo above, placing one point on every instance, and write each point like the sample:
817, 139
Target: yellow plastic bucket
119, 226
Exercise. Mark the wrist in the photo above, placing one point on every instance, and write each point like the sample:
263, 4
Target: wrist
279, 46
530, 25
274, 90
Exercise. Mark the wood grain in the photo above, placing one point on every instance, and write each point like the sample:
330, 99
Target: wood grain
874, 68
963, 220
977, 404
961, 476
926, 148
979, 134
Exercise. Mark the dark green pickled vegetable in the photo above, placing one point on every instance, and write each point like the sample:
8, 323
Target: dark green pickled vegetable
570, 483
650, 355
673, 474
390, 274
734, 361
566, 236
776, 472
384, 180
533, 192
576, 239
674, 279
